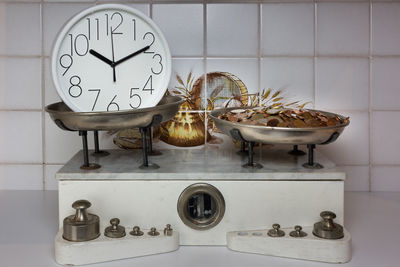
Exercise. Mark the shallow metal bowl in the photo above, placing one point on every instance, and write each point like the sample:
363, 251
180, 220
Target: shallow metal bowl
279, 135
67, 119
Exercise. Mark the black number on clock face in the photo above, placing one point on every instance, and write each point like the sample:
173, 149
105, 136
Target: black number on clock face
113, 105
134, 29
66, 62
149, 36
115, 20
148, 86
75, 90
136, 100
88, 20
97, 96
158, 56
79, 44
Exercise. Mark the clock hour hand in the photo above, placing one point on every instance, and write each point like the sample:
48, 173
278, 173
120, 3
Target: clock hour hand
101, 57
132, 55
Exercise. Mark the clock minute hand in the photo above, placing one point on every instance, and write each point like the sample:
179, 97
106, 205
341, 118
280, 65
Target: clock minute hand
132, 55
101, 57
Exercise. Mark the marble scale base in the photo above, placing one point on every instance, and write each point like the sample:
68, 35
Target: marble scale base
107, 249
309, 247
281, 192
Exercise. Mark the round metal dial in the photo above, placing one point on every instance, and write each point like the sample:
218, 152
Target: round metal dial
110, 57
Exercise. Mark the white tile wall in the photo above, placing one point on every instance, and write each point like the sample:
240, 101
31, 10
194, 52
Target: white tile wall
288, 29
23, 85
21, 137
385, 83
343, 55
232, 29
385, 29
15, 38
357, 178
343, 28
385, 131
294, 76
182, 25
342, 83
385, 178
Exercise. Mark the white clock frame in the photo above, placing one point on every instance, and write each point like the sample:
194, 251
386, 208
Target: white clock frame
76, 18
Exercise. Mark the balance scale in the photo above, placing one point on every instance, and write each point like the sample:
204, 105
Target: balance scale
208, 198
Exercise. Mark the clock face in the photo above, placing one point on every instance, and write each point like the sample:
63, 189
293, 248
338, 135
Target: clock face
110, 58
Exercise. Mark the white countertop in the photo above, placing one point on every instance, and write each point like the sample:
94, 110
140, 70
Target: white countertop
28, 226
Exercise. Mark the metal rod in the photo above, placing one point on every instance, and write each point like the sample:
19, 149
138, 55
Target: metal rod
96, 141
150, 141
85, 148
242, 146
250, 148
143, 132
311, 154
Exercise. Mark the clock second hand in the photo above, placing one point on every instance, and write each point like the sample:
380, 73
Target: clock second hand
113, 59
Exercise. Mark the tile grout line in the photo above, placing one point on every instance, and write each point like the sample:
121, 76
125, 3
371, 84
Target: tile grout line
43, 96
259, 56
315, 53
370, 100
205, 70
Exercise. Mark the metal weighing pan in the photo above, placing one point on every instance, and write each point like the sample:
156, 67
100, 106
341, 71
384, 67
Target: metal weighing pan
67, 119
279, 135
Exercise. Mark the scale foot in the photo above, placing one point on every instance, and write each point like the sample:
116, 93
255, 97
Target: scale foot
154, 153
92, 166
314, 166
101, 153
254, 165
150, 166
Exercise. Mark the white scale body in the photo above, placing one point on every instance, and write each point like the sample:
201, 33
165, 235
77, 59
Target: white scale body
281, 192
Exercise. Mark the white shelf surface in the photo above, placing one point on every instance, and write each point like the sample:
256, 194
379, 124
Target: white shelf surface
29, 224
202, 164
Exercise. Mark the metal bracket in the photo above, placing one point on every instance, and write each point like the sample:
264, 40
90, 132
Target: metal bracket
60, 124
331, 139
235, 133
147, 145
311, 164
86, 165
97, 152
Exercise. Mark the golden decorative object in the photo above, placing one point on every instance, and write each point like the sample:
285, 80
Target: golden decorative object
186, 129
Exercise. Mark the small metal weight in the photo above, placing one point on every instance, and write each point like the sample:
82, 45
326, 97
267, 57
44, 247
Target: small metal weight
168, 230
136, 231
298, 232
115, 230
82, 226
276, 231
327, 229
153, 232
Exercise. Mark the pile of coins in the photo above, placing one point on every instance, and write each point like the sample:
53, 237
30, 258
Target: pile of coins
282, 117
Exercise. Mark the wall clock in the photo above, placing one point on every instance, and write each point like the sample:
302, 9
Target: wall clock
110, 57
